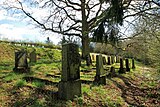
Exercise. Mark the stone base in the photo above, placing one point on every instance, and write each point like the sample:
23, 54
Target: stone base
122, 70
21, 70
100, 80
128, 69
69, 89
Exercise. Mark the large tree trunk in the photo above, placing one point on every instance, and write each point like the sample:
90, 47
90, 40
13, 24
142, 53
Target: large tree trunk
86, 50
85, 37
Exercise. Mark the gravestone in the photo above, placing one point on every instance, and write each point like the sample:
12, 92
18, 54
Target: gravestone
112, 72
117, 59
104, 60
88, 60
100, 77
21, 64
32, 57
70, 84
112, 59
127, 64
109, 60
93, 58
133, 64
121, 69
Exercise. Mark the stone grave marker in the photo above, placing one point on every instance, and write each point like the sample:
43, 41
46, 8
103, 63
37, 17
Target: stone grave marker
70, 84
121, 69
33, 56
133, 64
127, 64
117, 59
109, 60
21, 64
100, 77
112, 59
104, 60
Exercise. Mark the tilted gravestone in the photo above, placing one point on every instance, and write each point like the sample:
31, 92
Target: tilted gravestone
104, 60
100, 77
121, 69
109, 60
133, 64
21, 64
32, 56
127, 64
70, 84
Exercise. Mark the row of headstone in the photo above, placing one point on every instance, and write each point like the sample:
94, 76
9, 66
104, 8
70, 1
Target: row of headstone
107, 60
123, 69
70, 84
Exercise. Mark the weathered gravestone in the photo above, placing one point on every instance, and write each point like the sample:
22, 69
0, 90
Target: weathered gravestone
100, 77
88, 60
21, 64
93, 58
109, 60
70, 84
112, 59
121, 69
127, 64
133, 64
32, 56
112, 72
117, 59
104, 60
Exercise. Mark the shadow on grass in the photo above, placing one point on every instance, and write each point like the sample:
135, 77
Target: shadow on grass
135, 96
46, 82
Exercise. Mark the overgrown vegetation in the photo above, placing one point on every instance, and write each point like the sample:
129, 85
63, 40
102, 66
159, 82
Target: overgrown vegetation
140, 87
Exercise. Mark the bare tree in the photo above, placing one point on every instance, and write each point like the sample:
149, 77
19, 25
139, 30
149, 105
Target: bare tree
77, 17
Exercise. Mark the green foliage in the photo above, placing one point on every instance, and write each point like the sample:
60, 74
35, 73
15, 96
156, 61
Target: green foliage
38, 84
21, 83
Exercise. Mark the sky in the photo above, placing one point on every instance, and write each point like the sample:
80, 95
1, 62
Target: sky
15, 29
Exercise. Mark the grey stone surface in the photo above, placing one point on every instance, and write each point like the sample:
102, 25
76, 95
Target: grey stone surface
112, 59
32, 56
104, 60
70, 62
121, 69
127, 64
69, 89
133, 64
99, 66
70, 84
109, 60
21, 63
100, 77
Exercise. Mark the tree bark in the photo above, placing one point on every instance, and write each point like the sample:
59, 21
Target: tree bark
85, 37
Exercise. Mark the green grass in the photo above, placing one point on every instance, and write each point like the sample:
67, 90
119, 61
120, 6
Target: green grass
21, 83
38, 84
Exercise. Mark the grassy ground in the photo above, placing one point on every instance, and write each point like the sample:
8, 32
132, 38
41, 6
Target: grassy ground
140, 87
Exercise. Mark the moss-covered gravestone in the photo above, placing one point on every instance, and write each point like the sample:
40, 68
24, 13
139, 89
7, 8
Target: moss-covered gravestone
100, 77
121, 69
133, 64
21, 64
70, 84
109, 60
32, 56
127, 64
